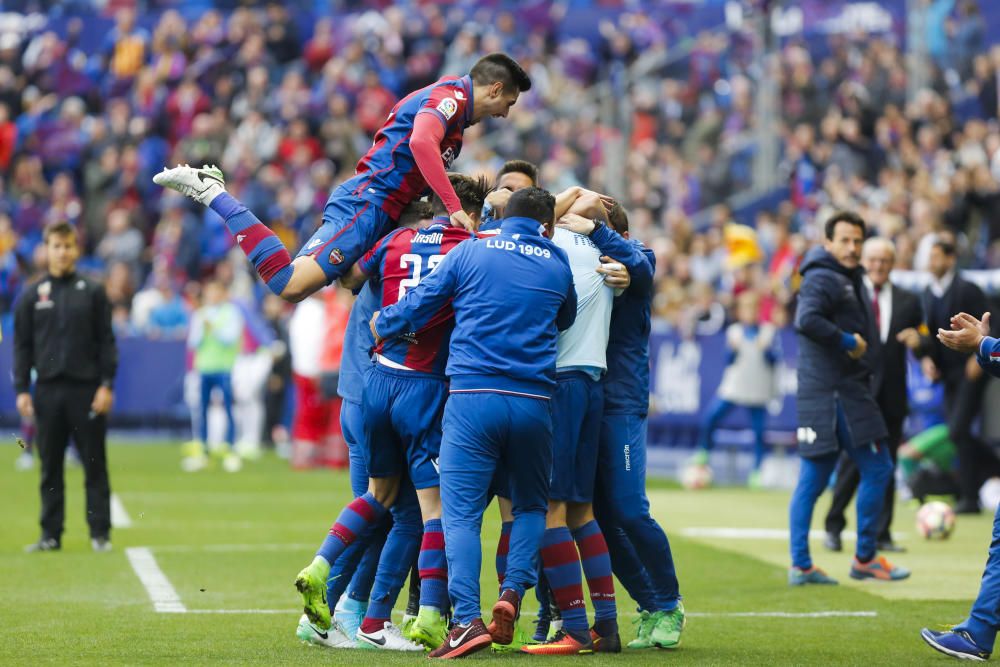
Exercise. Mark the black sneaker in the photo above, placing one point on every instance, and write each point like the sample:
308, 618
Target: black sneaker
44, 544
890, 547
610, 643
831, 541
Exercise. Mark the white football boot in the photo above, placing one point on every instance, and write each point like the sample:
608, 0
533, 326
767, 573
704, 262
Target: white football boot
202, 185
389, 638
335, 637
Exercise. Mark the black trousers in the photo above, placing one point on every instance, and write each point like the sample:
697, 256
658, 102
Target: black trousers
976, 460
62, 409
847, 483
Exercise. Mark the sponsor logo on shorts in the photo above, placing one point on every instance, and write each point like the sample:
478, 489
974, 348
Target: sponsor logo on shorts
312, 244
336, 256
628, 458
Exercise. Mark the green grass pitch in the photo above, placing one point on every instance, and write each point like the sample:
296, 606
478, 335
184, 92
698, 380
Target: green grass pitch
231, 545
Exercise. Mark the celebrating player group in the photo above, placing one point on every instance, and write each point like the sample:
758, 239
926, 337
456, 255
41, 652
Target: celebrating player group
497, 347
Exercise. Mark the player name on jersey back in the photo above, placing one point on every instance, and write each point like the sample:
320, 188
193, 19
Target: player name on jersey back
434, 237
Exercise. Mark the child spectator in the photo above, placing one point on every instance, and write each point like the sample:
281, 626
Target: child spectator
216, 337
748, 381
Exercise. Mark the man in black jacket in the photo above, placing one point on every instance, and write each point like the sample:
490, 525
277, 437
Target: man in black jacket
836, 409
62, 330
897, 316
964, 381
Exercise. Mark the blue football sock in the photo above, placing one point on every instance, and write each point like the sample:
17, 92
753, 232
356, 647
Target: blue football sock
433, 566
401, 547
597, 568
562, 569
360, 514
265, 250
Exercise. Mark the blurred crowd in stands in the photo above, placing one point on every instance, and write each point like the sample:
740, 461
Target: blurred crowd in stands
286, 105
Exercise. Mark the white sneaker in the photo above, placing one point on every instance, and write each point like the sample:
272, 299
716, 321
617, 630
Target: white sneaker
232, 463
100, 544
389, 638
248, 450
25, 461
194, 463
335, 637
202, 185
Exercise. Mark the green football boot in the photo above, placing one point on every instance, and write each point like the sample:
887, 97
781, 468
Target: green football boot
521, 638
666, 632
430, 628
645, 623
311, 583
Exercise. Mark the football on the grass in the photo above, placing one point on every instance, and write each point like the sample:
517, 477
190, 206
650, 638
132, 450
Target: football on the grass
935, 520
696, 476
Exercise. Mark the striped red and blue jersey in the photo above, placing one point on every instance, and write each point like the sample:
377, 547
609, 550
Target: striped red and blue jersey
396, 264
387, 175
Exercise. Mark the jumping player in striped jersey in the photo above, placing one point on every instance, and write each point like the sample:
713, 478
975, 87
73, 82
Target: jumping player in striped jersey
403, 398
420, 139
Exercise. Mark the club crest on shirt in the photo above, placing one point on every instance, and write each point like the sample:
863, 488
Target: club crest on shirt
336, 256
44, 292
448, 106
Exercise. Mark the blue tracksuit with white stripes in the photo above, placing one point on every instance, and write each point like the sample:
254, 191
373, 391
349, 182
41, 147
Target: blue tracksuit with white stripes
512, 294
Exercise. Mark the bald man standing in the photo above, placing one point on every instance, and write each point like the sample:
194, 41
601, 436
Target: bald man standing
897, 315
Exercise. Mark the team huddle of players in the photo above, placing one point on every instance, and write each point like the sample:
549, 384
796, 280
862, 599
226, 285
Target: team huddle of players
498, 347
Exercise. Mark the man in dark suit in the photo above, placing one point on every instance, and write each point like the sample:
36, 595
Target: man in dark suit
964, 381
897, 315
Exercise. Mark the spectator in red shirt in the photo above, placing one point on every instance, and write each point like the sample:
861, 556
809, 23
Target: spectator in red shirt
298, 137
182, 106
8, 137
374, 102
319, 49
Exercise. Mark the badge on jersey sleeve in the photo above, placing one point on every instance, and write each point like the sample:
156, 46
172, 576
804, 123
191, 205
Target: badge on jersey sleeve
448, 106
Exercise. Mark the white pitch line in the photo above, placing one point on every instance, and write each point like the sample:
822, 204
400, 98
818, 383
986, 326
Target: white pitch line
192, 548
161, 591
119, 515
752, 533
784, 614
245, 611
728, 533
696, 614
